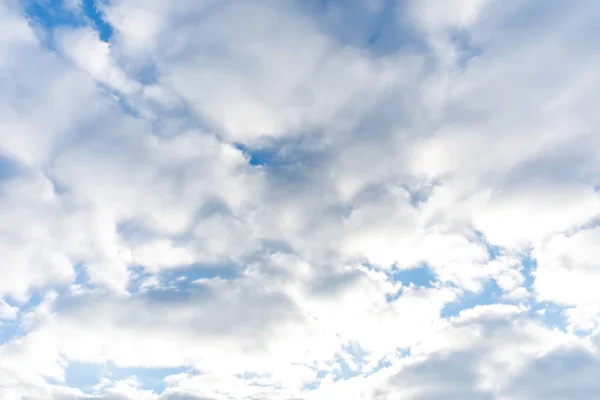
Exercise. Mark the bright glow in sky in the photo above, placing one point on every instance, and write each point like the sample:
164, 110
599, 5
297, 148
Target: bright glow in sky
299, 200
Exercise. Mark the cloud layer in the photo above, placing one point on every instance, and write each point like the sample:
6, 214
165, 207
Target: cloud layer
289, 200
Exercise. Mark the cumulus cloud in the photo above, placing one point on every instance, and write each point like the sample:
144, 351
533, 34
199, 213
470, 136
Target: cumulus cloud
299, 200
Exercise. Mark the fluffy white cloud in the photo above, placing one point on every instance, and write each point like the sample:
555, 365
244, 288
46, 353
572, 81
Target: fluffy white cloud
568, 266
84, 47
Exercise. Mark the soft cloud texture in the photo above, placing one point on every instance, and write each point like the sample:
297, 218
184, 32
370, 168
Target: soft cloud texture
299, 200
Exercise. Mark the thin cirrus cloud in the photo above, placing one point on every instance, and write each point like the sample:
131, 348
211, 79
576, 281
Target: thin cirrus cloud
299, 200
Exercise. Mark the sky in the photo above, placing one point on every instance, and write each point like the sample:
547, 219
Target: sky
299, 200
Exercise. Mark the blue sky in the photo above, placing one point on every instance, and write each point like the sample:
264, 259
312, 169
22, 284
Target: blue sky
52, 14
299, 200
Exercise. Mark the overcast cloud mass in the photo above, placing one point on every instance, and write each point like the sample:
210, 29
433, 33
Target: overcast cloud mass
299, 200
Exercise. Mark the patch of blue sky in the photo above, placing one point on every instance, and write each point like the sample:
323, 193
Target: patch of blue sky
215, 206
529, 265
253, 379
349, 362
58, 186
149, 378
381, 364
133, 231
92, 11
492, 250
11, 329
520, 21
591, 224
248, 375
417, 198
422, 276
316, 383
342, 370
551, 314
491, 293
259, 157
137, 277
81, 275
467, 51
391, 32
51, 14
9, 168
290, 160
202, 271
148, 74
421, 193
85, 376
273, 246
286, 152
355, 350
375, 27
180, 280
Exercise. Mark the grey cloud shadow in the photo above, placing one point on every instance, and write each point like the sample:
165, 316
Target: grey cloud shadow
562, 374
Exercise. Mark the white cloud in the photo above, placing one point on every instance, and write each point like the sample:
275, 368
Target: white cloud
161, 254
492, 352
88, 52
38, 234
438, 15
8, 312
567, 268
535, 213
